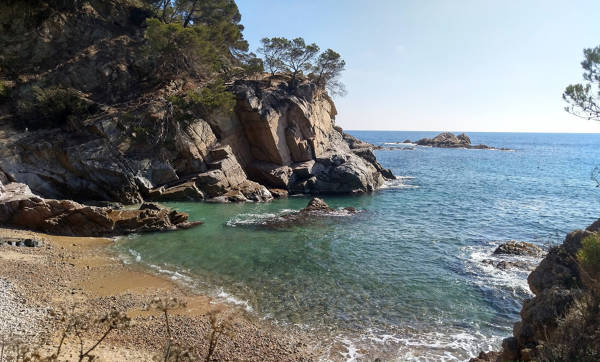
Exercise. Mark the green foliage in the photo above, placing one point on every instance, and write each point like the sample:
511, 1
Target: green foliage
52, 107
589, 255
222, 17
327, 70
273, 51
177, 49
295, 56
4, 90
202, 102
583, 98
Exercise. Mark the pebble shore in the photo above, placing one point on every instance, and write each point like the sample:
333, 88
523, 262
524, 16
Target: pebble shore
69, 272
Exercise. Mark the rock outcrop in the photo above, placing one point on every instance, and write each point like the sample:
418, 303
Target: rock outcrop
130, 145
316, 210
518, 248
562, 321
449, 140
20, 208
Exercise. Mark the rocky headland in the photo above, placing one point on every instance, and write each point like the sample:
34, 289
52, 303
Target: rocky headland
449, 140
132, 144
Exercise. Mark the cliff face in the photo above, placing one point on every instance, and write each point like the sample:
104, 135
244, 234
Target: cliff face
128, 145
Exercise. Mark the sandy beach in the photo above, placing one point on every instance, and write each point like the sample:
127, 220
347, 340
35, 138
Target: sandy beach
82, 275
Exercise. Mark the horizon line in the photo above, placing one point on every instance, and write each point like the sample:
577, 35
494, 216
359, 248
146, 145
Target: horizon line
399, 130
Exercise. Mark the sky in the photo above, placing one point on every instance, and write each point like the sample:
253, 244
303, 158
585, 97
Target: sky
444, 65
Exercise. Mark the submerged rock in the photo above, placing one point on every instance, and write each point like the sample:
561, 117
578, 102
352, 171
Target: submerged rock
317, 209
508, 264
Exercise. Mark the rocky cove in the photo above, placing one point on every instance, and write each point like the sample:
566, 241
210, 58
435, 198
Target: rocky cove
94, 133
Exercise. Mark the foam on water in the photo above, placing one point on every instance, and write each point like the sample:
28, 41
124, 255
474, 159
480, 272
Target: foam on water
233, 300
489, 276
401, 182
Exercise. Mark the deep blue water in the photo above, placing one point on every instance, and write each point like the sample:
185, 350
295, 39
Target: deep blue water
405, 277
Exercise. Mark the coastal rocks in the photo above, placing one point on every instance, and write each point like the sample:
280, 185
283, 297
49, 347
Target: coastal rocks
20, 208
518, 248
316, 205
316, 210
133, 145
515, 255
507, 264
295, 143
449, 140
554, 320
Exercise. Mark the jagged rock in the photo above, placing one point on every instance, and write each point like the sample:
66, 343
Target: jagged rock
449, 140
518, 248
20, 208
150, 206
187, 191
316, 205
557, 283
507, 264
271, 175
316, 210
290, 129
279, 193
368, 155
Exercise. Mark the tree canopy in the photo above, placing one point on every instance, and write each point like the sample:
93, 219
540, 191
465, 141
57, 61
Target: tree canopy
294, 57
584, 98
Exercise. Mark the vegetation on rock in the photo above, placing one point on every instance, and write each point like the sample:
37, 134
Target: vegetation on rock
294, 57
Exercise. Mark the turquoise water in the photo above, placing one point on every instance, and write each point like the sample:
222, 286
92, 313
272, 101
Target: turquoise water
404, 278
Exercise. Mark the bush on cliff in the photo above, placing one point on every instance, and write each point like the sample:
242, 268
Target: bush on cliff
294, 57
52, 107
202, 102
589, 255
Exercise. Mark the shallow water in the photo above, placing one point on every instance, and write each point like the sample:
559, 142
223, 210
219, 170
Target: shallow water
403, 278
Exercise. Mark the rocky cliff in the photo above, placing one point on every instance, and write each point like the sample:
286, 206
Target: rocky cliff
118, 138
562, 321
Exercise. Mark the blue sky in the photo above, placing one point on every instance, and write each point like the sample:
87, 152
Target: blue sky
459, 65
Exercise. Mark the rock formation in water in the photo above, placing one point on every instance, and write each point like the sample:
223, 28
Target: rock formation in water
449, 140
562, 321
518, 248
132, 146
20, 208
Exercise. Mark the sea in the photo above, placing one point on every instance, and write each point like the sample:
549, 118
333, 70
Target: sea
408, 277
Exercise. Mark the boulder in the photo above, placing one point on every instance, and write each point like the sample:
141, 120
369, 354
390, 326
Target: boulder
20, 208
316, 205
187, 191
518, 248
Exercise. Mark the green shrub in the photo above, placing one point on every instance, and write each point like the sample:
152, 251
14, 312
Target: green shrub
4, 90
52, 107
201, 103
589, 254
176, 49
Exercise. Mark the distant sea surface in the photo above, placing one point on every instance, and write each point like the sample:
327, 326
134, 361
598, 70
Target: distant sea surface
405, 278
